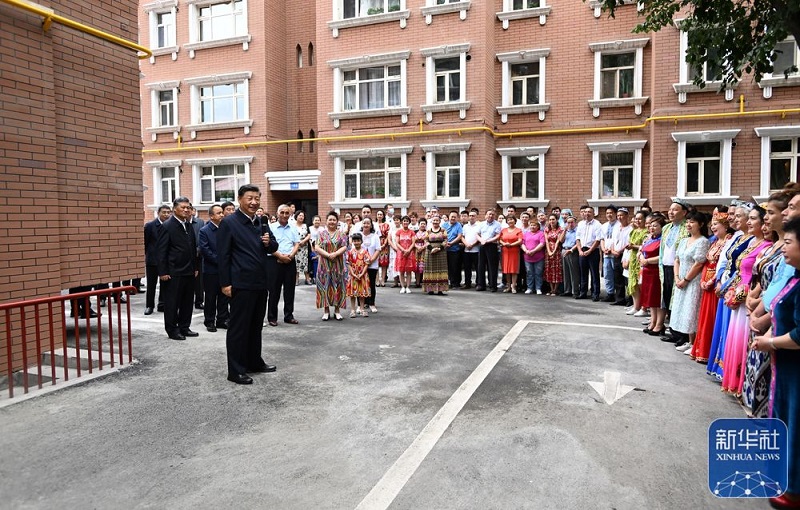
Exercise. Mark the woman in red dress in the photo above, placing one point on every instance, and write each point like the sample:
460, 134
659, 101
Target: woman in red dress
554, 236
405, 262
510, 241
651, 280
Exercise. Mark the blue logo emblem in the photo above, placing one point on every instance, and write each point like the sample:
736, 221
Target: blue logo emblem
747, 458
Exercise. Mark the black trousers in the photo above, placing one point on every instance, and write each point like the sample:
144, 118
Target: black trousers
150, 294
488, 260
470, 262
178, 294
666, 288
590, 265
373, 277
620, 282
243, 340
285, 276
198, 288
215, 310
523, 273
454, 267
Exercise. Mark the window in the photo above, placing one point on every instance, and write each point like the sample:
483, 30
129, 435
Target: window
445, 169
704, 165
710, 74
161, 20
523, 176
787, 55
299, 56
523, 83
353, 13
370, 86
311, 135
618, 75
445, 73
448, 175
215, 23
221, 182
703, 168
375, 175
166, 107
300, 144
521, 9
310, 54
616, 173
780, 157
437, 7
168, 177
165, 29
219, 102
360, 8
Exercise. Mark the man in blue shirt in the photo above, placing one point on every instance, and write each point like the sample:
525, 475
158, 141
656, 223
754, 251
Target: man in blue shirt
454, 249
569, 253
285, 267
488, 256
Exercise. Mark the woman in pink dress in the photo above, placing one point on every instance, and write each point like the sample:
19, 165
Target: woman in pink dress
553, 273
405, 261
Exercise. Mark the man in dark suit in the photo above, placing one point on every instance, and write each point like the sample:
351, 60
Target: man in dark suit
197, 223
177, 268
243, 243
151, 231
216, 303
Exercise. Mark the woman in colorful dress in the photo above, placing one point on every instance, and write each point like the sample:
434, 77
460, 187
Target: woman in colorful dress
357, 286
690, 257
738, 336
331, 247
709, 300
302, 252
783, 344
553, 272
434, 280
420, 248
510, 241
382, 229
758, 373
635, 240
405, 261
650, 279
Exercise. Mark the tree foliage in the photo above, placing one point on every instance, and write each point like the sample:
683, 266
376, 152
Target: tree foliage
732, 36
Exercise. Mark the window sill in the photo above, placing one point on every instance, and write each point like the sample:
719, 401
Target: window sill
351, 203
707, 199
460, 106
460, 203
371, 19
712, 86
155, 131
522, 109
541, 12
523, 202
402, 111
597, 6
194, 128
767, 83
157, 52
624, 202
244, 40
636, 102
433, 10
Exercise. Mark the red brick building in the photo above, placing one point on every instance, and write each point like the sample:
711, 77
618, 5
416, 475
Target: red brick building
453, 103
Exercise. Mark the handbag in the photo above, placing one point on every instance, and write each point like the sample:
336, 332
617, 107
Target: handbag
735, 295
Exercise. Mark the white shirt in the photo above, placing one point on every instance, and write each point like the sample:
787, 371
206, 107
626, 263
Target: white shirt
621, 237
588, 232
471, 231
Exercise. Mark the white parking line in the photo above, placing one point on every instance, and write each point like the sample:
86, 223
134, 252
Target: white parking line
382, 495
606, 326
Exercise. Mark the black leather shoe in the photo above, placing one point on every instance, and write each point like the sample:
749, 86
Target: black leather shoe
177, 336
199, 306
211, 329
240, 378
609, 299
566, 294
657, 333
596, 299
618, 303
92, 314
189, 332
480, 289
264, 369
160, 308
148, 311
581, 296
670, 339
273, 323
291, 321
222, 325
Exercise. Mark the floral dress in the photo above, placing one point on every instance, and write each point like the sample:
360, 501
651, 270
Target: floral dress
383, 257
302, 252
686, 301
405, 240
553, 272
331, 273
357, 260
637, 237
419, 244
435, 277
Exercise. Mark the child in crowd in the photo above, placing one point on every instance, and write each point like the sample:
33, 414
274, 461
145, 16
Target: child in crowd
357, 287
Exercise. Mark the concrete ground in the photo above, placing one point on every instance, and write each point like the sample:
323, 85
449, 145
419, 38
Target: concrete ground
434, 402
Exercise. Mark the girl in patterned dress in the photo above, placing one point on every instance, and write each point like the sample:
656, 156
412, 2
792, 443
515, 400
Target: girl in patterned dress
405, 262
358, 281
331, 247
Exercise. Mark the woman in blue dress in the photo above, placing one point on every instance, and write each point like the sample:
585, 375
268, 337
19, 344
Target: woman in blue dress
783, 344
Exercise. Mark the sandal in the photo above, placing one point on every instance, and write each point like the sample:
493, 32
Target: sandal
337, 316
373, 309
513, 291
352, 315
364, 314
325, 316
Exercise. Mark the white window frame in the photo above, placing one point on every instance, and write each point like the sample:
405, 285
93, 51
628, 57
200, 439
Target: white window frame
156, 167
506, 155
509, 13
521, 57
195, 43
198, 163
155, 111
339, 22
219, 79
635, 46
431, 151
685, 85
770, 80
432, 8
635, 146
597, 6
431, 105
350, 64
339, 157
725, 138
153, 10
767, 134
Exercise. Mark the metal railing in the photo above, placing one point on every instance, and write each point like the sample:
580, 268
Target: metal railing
38, 334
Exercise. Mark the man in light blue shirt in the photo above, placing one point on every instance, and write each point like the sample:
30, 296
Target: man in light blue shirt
454, 249
488, 256
285, 267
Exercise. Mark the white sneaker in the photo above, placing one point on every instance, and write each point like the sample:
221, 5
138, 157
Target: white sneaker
373, 309
630, 311
529, 291
402, 290
641, 313
538, 292
688, 352
408, 290
685, 347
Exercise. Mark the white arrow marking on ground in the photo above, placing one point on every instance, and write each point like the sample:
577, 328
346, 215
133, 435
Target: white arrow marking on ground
610, 389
